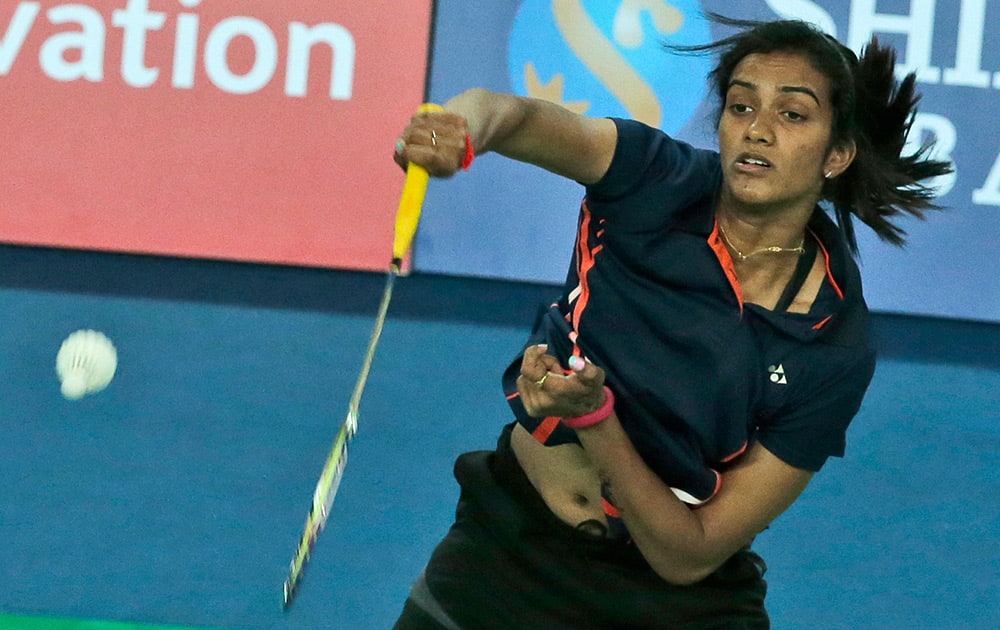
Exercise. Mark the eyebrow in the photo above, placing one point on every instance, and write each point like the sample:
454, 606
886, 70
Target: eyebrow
785, 88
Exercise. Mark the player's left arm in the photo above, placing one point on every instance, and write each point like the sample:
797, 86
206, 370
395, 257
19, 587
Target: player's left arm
685, 545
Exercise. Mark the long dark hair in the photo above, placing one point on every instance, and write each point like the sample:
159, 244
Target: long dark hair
871, 108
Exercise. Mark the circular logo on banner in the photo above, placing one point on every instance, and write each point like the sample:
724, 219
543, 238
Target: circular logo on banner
606, 58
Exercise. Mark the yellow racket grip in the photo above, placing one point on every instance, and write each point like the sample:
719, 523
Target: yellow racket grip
410, 203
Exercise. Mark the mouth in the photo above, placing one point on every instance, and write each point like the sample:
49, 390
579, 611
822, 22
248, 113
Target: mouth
751, 162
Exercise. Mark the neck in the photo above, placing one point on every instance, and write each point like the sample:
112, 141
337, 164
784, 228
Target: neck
752, 231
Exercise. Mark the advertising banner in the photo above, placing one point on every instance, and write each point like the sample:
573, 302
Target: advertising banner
605, 58
251, 130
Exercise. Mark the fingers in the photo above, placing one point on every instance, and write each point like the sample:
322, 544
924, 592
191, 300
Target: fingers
435, 141
548, 389
588, 373
537, 361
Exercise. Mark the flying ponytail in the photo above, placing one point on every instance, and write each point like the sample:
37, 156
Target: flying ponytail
882, 184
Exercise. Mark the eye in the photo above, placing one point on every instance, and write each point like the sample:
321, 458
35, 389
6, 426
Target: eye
739, 108
794, 116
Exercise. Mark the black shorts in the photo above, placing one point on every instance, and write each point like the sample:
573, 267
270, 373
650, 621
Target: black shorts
508, 562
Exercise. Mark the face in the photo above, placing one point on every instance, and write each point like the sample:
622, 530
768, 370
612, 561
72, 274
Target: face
774, 134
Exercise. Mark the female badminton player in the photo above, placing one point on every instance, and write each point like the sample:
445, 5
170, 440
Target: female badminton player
708, 352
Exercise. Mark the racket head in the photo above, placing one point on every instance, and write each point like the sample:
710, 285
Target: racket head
326, 492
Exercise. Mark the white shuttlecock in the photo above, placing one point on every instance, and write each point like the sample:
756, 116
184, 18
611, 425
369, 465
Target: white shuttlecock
86, 363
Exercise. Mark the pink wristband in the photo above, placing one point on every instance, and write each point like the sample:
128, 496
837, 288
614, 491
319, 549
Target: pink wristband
597, 415
470, 153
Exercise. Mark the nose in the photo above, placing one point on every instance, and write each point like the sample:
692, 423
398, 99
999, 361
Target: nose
759, 131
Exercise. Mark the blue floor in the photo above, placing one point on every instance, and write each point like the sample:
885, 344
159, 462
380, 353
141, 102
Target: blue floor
177, 495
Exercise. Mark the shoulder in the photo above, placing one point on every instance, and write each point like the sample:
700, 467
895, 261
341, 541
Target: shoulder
646, 157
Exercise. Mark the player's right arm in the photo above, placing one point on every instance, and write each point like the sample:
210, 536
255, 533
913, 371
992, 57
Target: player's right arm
524, 129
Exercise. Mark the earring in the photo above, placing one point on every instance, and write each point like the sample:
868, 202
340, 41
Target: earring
829, 174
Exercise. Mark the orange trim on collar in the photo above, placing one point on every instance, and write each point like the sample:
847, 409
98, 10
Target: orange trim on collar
829, 272
726, 260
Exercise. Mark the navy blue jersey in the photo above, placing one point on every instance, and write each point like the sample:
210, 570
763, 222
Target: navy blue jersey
652, 297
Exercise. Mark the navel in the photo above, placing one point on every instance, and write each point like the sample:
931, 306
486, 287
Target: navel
592, 528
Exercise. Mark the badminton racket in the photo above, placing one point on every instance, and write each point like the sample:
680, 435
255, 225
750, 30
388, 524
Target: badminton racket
408, 216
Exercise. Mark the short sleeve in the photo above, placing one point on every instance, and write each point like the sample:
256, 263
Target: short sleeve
810, 430
648, 157
651, 177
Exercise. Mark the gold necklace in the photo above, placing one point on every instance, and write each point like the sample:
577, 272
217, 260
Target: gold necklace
773, 249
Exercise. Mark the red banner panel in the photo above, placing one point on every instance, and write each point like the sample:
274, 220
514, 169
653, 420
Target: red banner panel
254, 130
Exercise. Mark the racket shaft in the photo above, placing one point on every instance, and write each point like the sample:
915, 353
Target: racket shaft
336, 461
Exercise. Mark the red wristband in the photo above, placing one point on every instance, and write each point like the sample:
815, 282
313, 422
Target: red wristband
594, 417
470, 153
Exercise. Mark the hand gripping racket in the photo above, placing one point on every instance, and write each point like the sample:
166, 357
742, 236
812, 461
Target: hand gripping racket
407, 217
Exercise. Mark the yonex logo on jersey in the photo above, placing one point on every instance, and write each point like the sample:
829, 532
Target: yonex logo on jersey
778, 374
